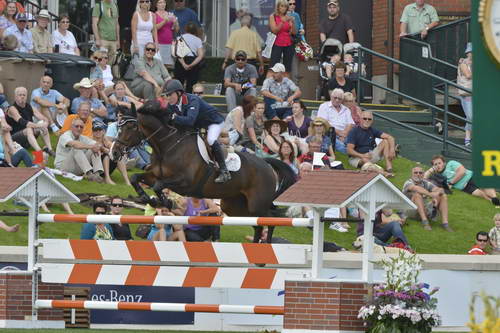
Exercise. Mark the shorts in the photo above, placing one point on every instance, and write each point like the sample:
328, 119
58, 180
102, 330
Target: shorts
166, 54
376, 157
470, 187
22, 139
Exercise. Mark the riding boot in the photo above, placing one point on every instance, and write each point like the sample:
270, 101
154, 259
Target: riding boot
224, 174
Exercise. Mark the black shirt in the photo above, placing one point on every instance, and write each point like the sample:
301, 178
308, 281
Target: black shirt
121, 231
26, 113
349, 85
337, 28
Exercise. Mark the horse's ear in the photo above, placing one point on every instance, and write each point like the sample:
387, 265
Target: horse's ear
133, 110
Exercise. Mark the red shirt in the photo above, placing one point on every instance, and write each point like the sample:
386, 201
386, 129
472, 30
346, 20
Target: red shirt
283, 37
476, 250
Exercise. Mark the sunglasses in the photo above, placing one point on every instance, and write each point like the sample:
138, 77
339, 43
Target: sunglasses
291, 3
418, 172
100, 213
97, 59
368, 119
150, 49
144, 1
179, 0
78, 126
482, 240
240, 59
198, 92
98, 129
116, 205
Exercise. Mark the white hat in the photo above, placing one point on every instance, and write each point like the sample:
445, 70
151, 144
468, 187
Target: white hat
84, 83
278, 68
43, 13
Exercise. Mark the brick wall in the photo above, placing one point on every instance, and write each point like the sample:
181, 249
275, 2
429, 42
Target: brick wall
448, 7
15, 298
311, 24
324, 306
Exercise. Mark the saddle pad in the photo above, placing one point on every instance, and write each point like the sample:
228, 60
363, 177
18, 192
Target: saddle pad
233, 161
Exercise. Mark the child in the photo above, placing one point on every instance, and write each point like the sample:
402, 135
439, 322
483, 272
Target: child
495, 235
329, 66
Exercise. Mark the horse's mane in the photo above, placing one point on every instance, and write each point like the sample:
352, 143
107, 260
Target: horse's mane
152, 107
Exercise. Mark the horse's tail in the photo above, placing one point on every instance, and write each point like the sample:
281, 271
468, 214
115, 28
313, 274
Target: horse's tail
286, 176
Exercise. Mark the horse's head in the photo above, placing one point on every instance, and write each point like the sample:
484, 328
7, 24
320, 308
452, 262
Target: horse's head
129, 134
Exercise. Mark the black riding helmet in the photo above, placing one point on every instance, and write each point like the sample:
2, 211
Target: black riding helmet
172, 86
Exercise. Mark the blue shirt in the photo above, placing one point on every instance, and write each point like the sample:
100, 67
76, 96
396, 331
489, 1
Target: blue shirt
94, 104
195, 112
88, 230
24, 38
450, 171
52, 96
363, 139
298, 23
184, 16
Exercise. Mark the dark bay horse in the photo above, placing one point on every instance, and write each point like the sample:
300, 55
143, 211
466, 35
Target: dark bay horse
177, 164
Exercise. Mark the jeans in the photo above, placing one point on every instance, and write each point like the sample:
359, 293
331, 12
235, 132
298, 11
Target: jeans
24, 156
467, 106
270, 113
287, 51
340, 146
386, 231
144, 157
232, 98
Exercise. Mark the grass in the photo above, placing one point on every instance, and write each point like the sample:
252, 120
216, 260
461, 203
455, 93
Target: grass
468, 215
115, 331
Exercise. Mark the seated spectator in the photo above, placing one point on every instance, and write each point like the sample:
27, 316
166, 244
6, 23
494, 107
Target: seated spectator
121, 97
120, 231
97, 231
235, 119
5, 130
166, 232
362, 147
494, 235
103, 69
318, 129
8, 228
386, 227
42, 38
14, 159
314, 146
51, 103
150, 74
199, 207
339, 117
460, 178
79, 154
418, 189
22, 33
273, 139
329, 65
339, 81
279, 93
240, 80
25, 130
288, 155
9, 43
63, 40
98, 131
97, 109
254, 128
298, 123
482, 240
82, 113
199, 90
356, 111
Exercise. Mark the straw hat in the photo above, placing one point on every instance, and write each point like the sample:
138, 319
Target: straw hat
44, 13
84, 83
321, 121
269, 123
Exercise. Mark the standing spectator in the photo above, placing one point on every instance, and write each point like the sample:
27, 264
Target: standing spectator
482, 240
279, 93
254, 126
106, 28
362, 147
150, 74
418, 17
185, 15
340, 81
20, 116
464, 79
50, 103
23, 35
283, 26
199, 207
350, 102
339, 117
63, 39
166, 25
494, 235
42, 39
143, 28
337, 25
300, 33
417, 189
247, 40
79, 154
15, 158
299, 123
120, 231
187, 69
97, 231
319, 129
240, 80
83, 113
97, 109
460, 178
8, 16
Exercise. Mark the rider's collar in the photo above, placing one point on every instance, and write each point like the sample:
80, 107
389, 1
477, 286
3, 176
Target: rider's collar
182, 101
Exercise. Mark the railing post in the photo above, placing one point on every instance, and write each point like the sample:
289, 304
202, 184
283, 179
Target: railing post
445, 128
360, 71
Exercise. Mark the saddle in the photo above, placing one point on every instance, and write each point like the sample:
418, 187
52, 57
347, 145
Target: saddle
233, 161
202, 134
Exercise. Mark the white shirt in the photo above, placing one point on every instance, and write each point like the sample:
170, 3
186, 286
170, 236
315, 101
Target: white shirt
338, 120
66, 43
107, 77
194, 43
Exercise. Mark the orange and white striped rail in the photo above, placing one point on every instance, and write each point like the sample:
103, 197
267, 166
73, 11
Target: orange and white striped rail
170, 307
170, 276
200, 220
175, 252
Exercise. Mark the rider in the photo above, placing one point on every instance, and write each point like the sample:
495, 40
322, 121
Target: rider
190, 110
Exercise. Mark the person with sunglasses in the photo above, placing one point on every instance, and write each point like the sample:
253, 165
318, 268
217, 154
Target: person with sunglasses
63, 40
362, 147
482, 239
97, 231
240, 80
121, 231
429, 199
143, 28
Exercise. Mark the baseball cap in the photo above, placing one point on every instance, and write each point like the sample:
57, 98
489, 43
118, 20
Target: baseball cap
97, 124
241, 53
278, 68
21, 17
333, 2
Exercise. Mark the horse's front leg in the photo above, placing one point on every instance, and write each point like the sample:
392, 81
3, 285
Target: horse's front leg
147, 178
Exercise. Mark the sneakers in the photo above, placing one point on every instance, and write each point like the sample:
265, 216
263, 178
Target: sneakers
93, 177
446, 227
495, 202
337, 227
49, 151
467, 142
54, 128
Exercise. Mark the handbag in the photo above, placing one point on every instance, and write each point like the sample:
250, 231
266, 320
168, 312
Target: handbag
130, 72
180, 48
270, 39
143, 231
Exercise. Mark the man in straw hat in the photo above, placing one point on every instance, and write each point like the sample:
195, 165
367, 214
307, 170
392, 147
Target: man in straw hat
97, 109
42, 39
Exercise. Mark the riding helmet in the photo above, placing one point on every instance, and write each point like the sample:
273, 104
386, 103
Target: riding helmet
172, 86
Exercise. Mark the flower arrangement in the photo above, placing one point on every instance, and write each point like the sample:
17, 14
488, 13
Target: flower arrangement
303, 51
401, 304
491, 322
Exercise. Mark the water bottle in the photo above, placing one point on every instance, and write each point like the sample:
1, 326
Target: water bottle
218, 89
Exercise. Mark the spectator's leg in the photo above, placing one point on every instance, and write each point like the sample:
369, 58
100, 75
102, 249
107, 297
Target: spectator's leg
295, 68
95, 161
251, 92
230, 98
284, 112
484, 193
160, 235
8, 228
142, 88
77, 163
30, 135
148, 90
179, 72
24, 156
122, 167
392, 229
177, 234
419, 201
275, 55
340, 146
269, 112
288, 53
193, 236
191, 78
144, 155
46, 138
48, 114
466, 102
107, 173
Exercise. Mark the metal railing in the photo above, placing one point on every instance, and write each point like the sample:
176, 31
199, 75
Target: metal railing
364, 53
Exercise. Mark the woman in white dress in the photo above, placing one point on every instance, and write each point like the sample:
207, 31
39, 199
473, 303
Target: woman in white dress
143, 28
63, 39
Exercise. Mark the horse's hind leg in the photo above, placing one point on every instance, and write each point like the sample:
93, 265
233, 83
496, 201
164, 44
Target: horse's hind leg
238, 206
146, 178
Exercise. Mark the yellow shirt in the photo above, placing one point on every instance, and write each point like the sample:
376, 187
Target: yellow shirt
42, 40
246, 40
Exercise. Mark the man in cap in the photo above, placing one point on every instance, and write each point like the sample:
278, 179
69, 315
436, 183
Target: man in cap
190, 110
42, 39
23, 35
240, 79
97, 109
337, 25
418, 17
279, 93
